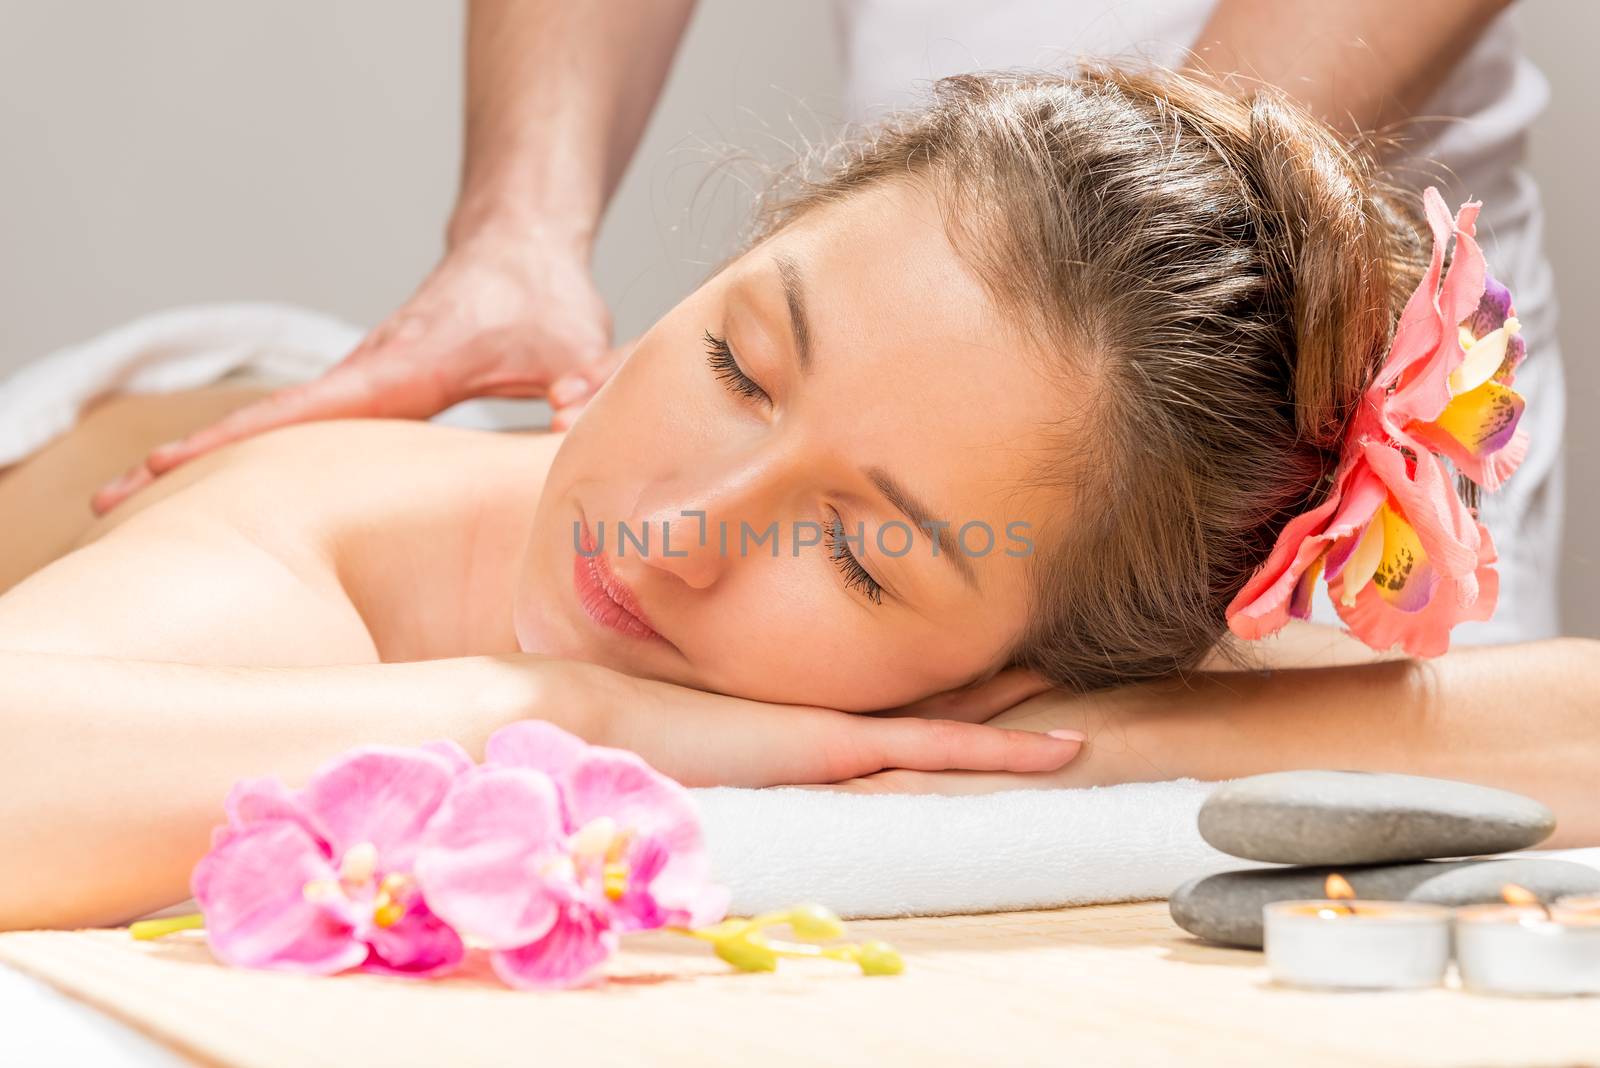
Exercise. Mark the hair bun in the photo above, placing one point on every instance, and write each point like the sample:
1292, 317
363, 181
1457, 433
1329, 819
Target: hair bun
1344, 252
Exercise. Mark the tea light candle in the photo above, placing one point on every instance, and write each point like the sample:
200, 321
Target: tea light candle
1340, 942
1527, 948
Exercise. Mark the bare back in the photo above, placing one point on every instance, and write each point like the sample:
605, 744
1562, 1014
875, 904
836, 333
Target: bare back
340, 542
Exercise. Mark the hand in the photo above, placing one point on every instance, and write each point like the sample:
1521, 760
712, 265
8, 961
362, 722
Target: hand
708, 739
1110, 755
497, 317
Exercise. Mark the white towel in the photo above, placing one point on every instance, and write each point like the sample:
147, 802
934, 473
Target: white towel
867, 855
186, 348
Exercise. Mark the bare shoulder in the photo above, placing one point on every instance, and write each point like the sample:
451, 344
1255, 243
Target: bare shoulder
240, 557
314, 473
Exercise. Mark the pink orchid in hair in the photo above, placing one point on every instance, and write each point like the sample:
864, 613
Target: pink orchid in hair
1404, 557
319, 879
553, 848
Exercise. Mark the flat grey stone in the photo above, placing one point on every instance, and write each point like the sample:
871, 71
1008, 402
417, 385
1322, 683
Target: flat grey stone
1226, 907
1364, 817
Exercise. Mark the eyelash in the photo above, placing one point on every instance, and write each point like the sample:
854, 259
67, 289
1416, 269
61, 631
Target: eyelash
728, 369
856, 577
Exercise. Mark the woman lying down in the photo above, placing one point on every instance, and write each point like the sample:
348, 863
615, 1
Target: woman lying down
999, 427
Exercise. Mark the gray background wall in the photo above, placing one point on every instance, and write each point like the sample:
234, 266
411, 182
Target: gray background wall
178, 151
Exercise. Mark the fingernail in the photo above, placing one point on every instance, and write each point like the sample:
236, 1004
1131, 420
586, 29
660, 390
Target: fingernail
567, 390
1068, 735
116, 485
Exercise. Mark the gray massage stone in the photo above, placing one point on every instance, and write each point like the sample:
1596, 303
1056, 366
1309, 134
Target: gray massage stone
1363, 817
1226, 907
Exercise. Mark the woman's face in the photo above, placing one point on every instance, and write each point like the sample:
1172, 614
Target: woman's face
856, 380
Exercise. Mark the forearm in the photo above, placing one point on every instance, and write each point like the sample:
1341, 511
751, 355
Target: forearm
1520, 717
558, 95
1360, 64
113, 772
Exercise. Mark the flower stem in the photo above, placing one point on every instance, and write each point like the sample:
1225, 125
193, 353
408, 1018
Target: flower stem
145, 930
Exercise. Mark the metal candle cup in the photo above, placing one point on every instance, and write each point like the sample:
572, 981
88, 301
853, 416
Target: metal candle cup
1357, 945
1528, 949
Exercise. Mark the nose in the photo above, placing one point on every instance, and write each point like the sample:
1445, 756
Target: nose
707, 518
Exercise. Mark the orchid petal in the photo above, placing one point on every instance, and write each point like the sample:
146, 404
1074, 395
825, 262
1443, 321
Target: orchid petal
1381, 625
450, 751
267, 799
577, 943
1363, 562
1424, 494
1305, 588
1265, 602
1427, 345
380, 795
619, 784
1494, 307
1484, 359
1478, 432
1404, 576
482, 858
536, 745
252, 889
420, 945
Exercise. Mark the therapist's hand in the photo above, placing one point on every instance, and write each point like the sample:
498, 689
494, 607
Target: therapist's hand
498, 316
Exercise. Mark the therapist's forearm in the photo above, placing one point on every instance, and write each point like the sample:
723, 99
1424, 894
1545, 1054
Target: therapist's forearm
113, 772
1360, 64
558, 94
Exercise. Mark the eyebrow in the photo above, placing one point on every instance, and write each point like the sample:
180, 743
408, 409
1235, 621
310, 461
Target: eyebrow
922, 519
794, 292
910, 506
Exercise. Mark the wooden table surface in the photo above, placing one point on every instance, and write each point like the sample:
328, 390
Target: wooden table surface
1106, 984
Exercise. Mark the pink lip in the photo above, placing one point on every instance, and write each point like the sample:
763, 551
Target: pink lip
604, 596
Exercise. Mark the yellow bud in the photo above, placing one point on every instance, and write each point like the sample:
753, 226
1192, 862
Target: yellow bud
879, 958
616, 881
747, 954
815, 923
386, 911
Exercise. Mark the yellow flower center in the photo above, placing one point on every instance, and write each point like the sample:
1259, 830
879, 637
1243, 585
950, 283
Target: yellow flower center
601, 842
357, 868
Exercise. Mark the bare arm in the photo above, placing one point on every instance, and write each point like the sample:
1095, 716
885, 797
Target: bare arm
558, 95
1521, 717
114, 771
1360, 64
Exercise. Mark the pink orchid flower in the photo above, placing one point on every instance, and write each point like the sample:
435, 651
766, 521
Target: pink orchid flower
1405, 558
553, 848
319, 879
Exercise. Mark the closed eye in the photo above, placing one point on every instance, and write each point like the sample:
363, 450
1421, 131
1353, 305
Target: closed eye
856, 577
720, 357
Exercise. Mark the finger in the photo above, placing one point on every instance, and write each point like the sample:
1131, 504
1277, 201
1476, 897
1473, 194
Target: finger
120, 489
585, 380
979, 702
342, 393
942, 745
564, 418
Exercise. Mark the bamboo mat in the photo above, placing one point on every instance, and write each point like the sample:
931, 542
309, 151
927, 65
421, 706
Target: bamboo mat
1108, 984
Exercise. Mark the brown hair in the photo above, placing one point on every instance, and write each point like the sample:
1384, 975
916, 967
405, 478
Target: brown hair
1222, 276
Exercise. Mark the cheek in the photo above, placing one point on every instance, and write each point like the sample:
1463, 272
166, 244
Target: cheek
811, 647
